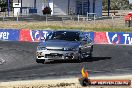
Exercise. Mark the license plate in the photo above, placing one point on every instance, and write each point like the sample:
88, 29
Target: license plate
53, 54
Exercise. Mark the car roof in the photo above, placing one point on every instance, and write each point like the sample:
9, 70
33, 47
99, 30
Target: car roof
67, 31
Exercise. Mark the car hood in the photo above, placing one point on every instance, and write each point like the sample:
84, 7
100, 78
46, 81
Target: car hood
59, 44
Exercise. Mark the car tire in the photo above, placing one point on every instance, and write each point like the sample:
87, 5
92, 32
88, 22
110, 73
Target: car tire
79, 60
91, 52
40, 61
90, 55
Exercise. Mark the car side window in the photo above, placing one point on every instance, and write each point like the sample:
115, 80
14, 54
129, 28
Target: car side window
85, 37
82, 37
89, 40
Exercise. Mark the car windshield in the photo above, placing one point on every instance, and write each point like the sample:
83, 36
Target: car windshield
64, 35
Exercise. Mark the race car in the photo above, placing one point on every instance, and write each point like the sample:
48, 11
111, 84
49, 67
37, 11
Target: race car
64, 45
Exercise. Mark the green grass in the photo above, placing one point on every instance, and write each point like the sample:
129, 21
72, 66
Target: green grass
113, 29
87, 29
64, 26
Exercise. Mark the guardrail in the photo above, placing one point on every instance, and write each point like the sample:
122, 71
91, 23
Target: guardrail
36, 35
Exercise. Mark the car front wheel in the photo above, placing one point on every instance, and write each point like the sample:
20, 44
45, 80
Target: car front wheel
91, 52
80, 57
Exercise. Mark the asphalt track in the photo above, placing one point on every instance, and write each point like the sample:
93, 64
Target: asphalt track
17, 62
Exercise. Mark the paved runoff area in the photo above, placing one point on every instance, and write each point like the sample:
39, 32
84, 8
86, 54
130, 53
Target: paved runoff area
61, 83
18, 68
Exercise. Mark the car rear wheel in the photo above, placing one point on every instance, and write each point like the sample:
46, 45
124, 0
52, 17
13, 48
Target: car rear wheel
40, 61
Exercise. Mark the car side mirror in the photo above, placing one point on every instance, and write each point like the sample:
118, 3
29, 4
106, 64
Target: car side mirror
89, 40
84, 39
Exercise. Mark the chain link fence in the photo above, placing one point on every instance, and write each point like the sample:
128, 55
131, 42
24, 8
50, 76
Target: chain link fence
89, 20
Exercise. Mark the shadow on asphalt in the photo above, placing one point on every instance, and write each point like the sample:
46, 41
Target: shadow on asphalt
76, 61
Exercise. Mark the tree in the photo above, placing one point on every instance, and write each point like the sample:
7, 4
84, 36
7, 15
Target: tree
130, 6
47, 10
4, 5
116, 4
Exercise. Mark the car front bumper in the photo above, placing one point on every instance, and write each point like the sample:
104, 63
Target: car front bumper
56, 55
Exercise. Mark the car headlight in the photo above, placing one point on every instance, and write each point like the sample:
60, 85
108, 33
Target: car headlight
41, 48
69, 49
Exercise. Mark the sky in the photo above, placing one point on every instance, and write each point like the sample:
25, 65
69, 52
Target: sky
130, 1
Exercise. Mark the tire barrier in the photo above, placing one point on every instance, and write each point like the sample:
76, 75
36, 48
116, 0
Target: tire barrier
36, 36
113, 38
9, 34
33, 35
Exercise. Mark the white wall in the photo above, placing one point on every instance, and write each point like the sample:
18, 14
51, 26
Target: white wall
39, 6
60, 7
51, 5
73, 5
91, 6
17, 9
98, 7
27, 3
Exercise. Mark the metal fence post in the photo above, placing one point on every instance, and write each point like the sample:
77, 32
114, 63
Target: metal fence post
112, 20
46, 18
3, 17
17, 16
5, 14
13, 12
87, 16
94, 19
78, 17
62, 20
27, 12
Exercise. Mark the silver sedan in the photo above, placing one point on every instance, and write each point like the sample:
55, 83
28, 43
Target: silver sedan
62, 45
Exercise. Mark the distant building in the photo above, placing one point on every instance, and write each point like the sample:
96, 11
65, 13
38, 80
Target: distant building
58, 7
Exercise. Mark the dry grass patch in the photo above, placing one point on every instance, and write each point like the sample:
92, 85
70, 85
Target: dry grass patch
99, 25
